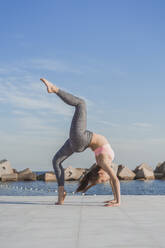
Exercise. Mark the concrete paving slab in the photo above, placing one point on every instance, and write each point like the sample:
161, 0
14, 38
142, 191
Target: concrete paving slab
82, 222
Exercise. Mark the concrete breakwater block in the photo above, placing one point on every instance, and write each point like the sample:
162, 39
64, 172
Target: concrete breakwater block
48, 177
141, 166
146, 174
9, 177
160, 168
125, 173
144, 171
159, 175
141, 172
26, 175
5, 167
71, 174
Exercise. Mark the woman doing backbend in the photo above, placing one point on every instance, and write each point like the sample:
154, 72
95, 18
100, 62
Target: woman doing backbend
79, 140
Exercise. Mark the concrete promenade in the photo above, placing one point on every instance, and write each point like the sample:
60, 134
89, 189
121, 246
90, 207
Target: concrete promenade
82, 222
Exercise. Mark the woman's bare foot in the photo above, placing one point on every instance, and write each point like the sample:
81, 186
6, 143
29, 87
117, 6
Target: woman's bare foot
111, 201
61, 201
51, 88
112, 204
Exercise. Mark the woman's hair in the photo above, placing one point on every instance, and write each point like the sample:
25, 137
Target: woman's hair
91, 176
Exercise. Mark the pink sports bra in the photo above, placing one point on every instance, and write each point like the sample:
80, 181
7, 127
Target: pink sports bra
105, 149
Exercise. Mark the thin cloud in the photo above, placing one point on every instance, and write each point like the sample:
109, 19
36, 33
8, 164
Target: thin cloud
32, 124
142, 124
108, 123
134, 143
24, 67
3, 70
29, 97
54, 65
11, 69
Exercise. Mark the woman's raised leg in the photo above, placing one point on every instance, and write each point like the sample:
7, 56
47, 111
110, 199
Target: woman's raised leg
79, 137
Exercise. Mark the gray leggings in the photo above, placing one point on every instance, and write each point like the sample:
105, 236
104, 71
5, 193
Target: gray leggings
79, 137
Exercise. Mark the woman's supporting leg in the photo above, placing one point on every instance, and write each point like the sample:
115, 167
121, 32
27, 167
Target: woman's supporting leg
64, 152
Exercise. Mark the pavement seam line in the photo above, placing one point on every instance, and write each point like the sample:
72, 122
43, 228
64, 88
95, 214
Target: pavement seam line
79, 223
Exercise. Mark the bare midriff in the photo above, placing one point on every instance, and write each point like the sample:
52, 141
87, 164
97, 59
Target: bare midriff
101, 147
97, 141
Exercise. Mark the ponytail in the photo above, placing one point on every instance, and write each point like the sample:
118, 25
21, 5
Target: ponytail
91, 176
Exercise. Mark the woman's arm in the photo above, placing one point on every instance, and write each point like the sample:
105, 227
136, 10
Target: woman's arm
116, 190
113, 190
105, 163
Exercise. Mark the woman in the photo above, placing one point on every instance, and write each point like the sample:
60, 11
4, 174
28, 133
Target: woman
79, 140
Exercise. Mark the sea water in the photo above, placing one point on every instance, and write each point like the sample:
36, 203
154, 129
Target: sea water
34, 188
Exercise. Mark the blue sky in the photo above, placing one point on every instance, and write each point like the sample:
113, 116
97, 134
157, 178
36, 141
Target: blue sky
111, 53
